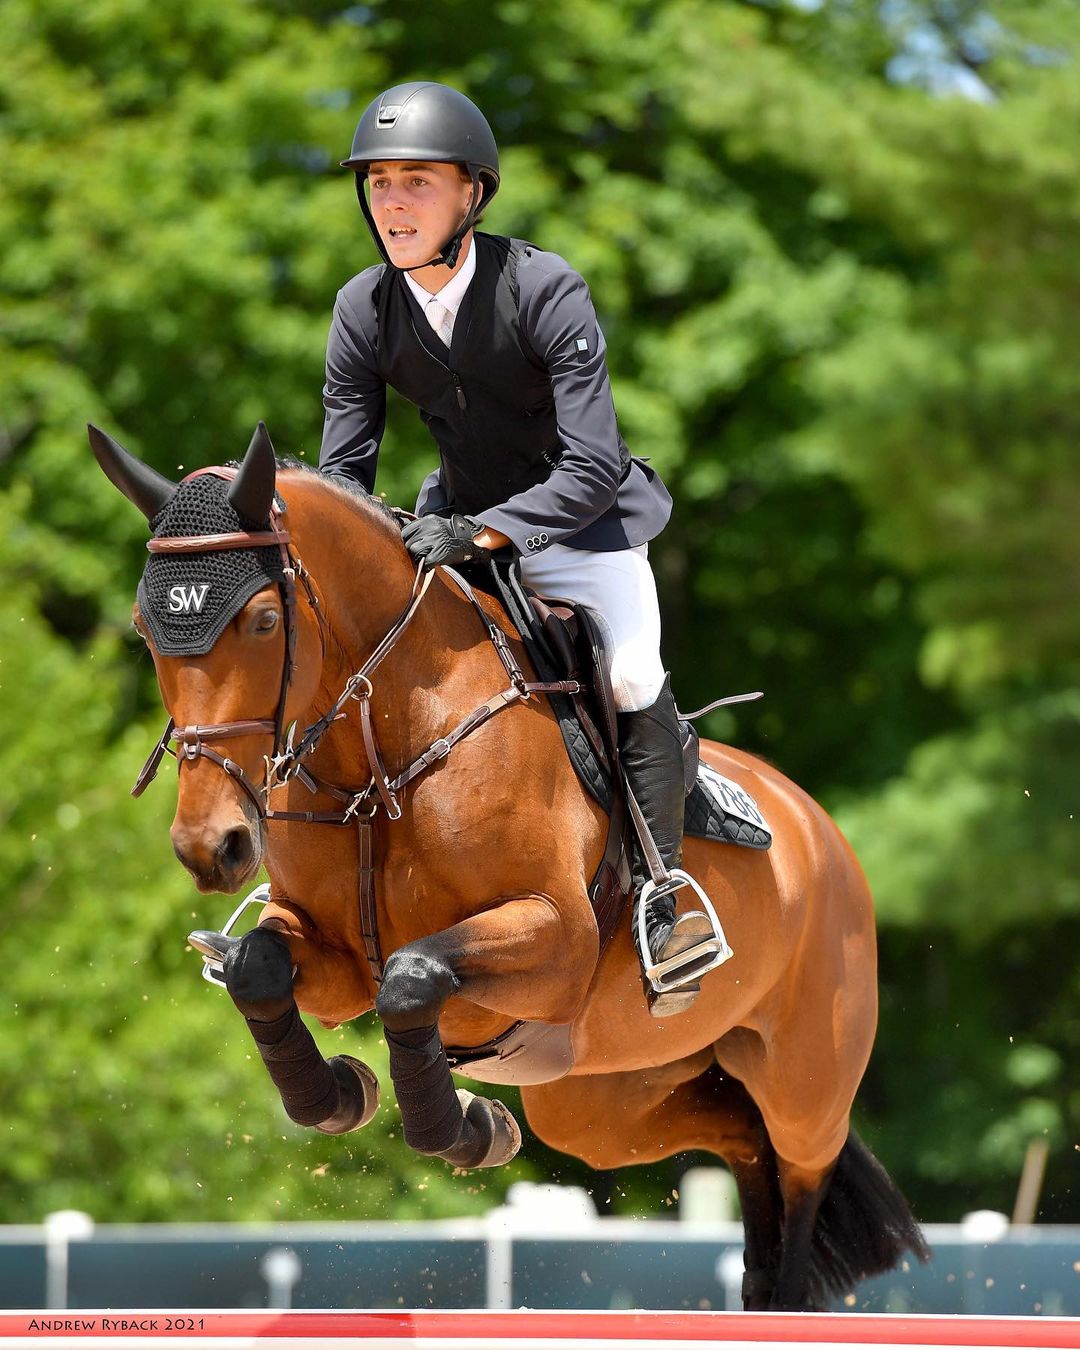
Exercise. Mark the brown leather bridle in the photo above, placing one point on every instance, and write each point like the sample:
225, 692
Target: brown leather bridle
285, 762
191, 740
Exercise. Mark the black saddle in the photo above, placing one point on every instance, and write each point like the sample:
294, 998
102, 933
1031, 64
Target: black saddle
564, 642
577, 648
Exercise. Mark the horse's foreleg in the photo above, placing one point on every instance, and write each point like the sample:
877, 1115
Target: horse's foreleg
334, 1096
511, 958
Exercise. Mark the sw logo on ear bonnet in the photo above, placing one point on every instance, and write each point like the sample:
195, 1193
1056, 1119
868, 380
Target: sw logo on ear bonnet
187, 599
188, 594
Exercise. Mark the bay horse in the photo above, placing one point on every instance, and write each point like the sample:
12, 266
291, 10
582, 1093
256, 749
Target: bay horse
475, 877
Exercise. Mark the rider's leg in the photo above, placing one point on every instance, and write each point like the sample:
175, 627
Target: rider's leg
620, 590
650, 747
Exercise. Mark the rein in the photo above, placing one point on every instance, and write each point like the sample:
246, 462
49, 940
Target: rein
285, 762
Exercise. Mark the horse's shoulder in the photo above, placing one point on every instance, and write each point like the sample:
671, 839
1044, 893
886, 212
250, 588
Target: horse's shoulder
491, 606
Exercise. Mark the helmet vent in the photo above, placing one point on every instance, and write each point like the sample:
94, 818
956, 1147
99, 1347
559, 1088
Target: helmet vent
388, 115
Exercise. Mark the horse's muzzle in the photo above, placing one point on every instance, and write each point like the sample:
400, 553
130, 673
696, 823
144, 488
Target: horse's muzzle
222, 861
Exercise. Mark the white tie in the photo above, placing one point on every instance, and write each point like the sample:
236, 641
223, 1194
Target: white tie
441, 319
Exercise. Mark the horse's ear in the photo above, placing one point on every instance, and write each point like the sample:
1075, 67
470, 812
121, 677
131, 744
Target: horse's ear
252, 490
148, 489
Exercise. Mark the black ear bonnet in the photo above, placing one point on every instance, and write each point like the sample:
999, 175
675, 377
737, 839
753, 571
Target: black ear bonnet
187, 599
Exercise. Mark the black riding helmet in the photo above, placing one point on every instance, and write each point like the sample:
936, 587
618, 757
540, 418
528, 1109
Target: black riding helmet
426, 122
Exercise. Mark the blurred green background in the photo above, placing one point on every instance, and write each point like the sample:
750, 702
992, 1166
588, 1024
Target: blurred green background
834, 249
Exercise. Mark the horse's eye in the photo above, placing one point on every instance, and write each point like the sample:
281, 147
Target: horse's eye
267, 621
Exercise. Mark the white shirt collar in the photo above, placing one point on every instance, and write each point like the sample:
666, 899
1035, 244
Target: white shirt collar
453, 292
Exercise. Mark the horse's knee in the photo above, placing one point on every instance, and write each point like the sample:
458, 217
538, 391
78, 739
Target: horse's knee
416, 984
259, 975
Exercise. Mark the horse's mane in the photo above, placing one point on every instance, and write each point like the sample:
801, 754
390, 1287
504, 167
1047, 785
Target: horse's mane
346, 487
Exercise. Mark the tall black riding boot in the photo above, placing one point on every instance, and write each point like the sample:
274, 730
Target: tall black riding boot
650, 746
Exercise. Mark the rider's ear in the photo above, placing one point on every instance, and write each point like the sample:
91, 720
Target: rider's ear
252, 490
140, 484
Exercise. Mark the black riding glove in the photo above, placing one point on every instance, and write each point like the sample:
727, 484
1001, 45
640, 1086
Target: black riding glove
437, 540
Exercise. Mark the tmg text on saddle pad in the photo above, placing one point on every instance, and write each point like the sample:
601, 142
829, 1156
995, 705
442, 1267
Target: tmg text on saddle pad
730, 797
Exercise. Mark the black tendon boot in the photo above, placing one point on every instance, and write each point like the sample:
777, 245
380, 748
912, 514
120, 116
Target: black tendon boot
650, 747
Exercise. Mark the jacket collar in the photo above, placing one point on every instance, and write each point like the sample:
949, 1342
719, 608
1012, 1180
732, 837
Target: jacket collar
453, 292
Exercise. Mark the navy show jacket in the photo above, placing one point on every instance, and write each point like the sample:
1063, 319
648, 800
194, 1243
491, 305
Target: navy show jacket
519, 405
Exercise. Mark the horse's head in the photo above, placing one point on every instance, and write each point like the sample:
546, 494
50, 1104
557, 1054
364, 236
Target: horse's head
237, 655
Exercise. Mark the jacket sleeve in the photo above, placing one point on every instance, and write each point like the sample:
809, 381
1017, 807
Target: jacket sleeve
354, 397
431, 499
559, 323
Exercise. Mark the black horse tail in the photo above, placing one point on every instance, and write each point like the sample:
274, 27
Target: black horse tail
864, 1226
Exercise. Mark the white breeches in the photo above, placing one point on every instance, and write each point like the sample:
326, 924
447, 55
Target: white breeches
620, 590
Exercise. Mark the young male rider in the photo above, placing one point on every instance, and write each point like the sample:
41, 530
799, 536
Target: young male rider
497, 344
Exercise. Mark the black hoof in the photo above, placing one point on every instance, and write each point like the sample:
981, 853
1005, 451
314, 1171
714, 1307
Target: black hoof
489, 1137
358, 1096
757, 1289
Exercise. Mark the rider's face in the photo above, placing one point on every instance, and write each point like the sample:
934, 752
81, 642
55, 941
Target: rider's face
417, 207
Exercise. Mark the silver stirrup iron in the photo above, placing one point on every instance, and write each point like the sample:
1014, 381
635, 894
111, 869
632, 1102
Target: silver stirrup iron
696, 961
213, 953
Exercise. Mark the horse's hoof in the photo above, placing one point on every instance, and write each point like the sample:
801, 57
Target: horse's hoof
492, 1120
359, 1096
757, 1288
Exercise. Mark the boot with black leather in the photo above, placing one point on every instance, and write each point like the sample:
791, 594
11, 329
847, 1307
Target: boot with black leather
650, 747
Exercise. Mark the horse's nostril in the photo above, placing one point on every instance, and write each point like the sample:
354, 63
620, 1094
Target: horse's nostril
236, 849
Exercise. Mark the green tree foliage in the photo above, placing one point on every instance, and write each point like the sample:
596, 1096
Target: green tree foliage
839, 305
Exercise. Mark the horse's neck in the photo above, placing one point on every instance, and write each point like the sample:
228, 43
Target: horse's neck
365, 581
355, 556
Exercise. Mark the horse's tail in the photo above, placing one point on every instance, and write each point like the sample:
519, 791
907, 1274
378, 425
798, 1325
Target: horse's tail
864, 1225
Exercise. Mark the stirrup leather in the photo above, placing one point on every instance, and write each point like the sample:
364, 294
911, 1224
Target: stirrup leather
696, 961
213, 946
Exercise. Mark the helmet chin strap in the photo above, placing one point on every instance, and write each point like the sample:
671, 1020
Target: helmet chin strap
448, 254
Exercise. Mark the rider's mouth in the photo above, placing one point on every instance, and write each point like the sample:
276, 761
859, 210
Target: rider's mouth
402, 231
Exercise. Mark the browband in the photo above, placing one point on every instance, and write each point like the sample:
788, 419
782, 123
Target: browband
208, 543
